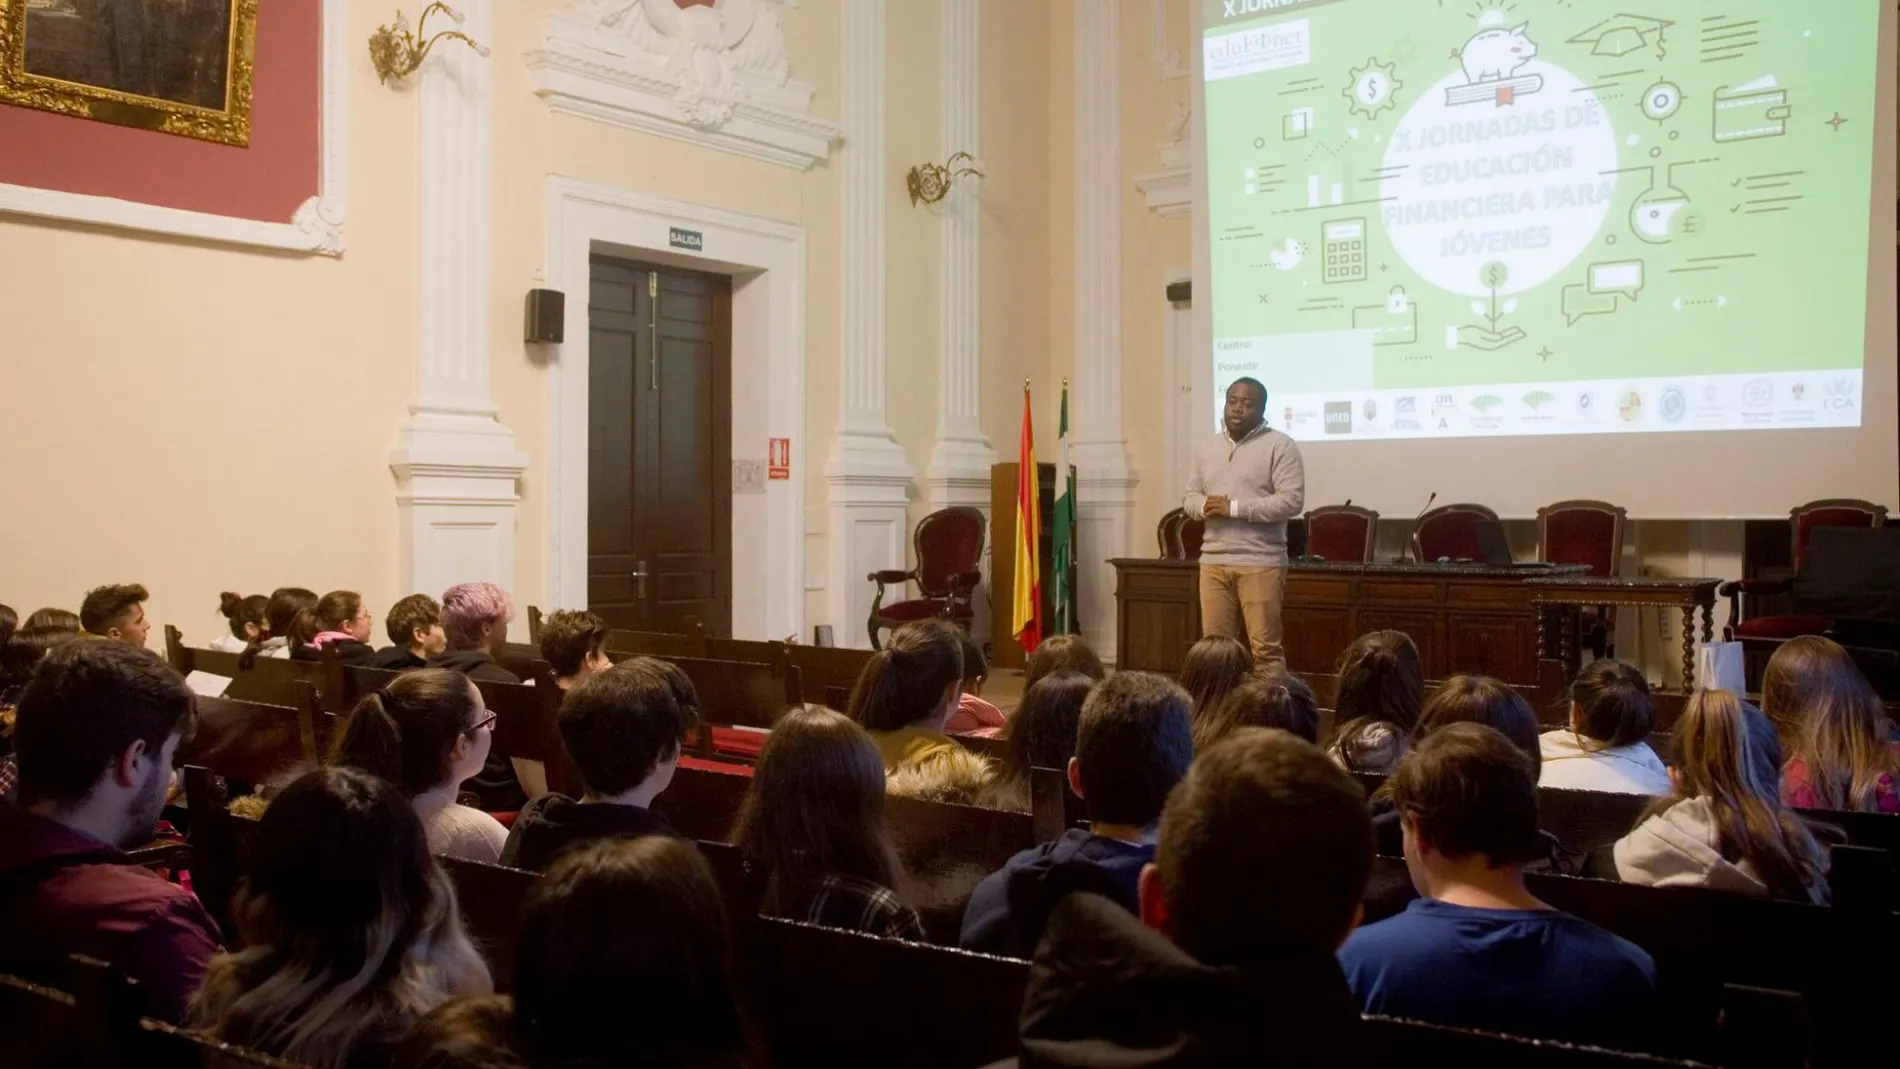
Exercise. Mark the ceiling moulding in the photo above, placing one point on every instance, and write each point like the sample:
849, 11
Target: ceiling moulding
713, 76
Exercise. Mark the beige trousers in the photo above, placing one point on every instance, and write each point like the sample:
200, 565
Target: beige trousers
1244, 603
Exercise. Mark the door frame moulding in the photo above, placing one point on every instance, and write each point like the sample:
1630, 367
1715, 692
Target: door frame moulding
316, 226
766, 259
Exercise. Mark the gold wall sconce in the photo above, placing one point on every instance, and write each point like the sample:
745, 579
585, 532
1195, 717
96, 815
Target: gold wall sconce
930, 182
397, 53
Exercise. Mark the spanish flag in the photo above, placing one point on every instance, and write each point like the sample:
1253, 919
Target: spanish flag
1028, 587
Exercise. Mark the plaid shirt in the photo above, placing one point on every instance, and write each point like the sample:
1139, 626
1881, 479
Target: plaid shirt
862, 906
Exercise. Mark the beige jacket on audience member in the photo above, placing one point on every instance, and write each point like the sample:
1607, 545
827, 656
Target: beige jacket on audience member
1677, 848
1572, 764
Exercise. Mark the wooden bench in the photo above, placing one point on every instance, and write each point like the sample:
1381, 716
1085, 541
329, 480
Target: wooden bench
269, 680
251, 741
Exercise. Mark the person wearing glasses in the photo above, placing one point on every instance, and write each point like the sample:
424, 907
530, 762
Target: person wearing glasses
340, 620
427, 733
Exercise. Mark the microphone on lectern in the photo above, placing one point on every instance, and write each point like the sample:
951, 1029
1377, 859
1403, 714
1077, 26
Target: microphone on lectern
1411, 539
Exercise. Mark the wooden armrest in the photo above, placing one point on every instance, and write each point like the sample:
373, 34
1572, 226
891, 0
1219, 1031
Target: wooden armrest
1756, 587
161, 854
890, 575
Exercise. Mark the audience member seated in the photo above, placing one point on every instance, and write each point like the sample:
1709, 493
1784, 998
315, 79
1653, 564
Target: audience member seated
903, 697
1133, 744
1723, 826
812, 828
1213, 666
339, 621
351, 930
1041, 734
286, 602
9, 622
116, 612
623, 730
575, 645
623, 960
475, 622
427, 734
95, 736
414, 627
1477, 950
973, 714
1261, 857
1270, 698
1477, 699
18, 658
59, 619
1376, 705
1605, 747
1843, 750
245, 616
1059, 653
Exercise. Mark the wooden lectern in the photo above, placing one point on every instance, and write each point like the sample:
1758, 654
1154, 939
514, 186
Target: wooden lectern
1006, 652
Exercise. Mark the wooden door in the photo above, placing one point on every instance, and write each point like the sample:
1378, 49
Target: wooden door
659, 505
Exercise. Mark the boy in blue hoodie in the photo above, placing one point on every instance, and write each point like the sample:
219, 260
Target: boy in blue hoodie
1133, 744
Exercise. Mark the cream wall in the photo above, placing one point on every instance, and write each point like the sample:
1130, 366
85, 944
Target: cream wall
221, 418
198, 419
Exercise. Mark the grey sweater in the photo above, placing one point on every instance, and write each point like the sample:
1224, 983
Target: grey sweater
1263, 476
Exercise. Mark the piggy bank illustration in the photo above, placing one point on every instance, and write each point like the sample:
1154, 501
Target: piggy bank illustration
1496, 54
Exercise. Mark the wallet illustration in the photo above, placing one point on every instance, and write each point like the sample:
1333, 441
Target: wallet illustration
1393, 323
1746, 112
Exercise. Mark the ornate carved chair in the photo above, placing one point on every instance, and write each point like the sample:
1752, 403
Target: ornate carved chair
1341, 533
1179, 537
949, 546
1450, 531
1764, 633
1586, 532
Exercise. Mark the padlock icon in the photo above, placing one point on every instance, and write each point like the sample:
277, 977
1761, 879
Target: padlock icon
1397, 303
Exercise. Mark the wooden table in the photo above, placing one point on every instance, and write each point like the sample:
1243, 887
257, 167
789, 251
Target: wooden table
1464, 617
1570, 594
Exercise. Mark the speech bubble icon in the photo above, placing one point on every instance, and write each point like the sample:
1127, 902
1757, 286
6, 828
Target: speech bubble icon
1579, 302
1622, 276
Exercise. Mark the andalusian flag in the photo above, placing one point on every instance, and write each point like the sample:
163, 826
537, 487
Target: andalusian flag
1027, 612
1064, 556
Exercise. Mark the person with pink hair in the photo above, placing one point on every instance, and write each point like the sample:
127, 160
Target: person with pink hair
475, 622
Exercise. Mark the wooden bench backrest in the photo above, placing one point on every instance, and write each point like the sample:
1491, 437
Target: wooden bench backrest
821, 668
250, 741
268, 681
220, 846
946, 851
703, 804
741, 693
654, 644
491, 898
1392, 1041
802, 976
527, 726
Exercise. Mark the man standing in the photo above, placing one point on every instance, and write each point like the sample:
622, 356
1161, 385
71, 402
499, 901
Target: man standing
1246, 483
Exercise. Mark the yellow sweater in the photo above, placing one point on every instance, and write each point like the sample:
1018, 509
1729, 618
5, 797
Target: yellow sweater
910, 747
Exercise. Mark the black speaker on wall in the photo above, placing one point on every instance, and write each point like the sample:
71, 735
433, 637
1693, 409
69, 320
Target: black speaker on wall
546, 318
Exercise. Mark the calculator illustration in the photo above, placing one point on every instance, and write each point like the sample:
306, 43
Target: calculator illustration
1345, 250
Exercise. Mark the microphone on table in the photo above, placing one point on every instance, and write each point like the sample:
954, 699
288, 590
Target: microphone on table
1411, 539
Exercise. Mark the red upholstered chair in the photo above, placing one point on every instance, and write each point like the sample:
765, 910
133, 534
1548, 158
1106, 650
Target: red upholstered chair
949, 545
1586, 532
1451, 531
1179, 536
1766, 632
1341, 533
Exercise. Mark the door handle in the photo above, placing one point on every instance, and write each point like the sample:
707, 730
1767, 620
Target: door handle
640, 580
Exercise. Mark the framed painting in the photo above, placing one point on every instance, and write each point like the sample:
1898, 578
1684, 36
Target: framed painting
176, 66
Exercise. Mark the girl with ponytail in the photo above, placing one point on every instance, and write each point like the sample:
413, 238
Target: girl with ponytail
279, 614
338, 621
904, 697
246, 619
426, 734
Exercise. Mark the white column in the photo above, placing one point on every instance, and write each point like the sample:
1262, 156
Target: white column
960, 459
867, 475
1105, 484
959, 471
456, 464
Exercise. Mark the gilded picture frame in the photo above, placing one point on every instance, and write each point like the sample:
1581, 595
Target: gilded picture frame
180, 67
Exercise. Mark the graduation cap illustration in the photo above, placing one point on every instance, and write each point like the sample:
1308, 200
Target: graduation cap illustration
1620, 35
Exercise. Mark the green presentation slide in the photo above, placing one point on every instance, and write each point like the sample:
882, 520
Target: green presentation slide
1443, 218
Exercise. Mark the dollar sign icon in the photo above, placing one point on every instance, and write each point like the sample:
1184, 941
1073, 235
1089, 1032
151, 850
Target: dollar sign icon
1372, 88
